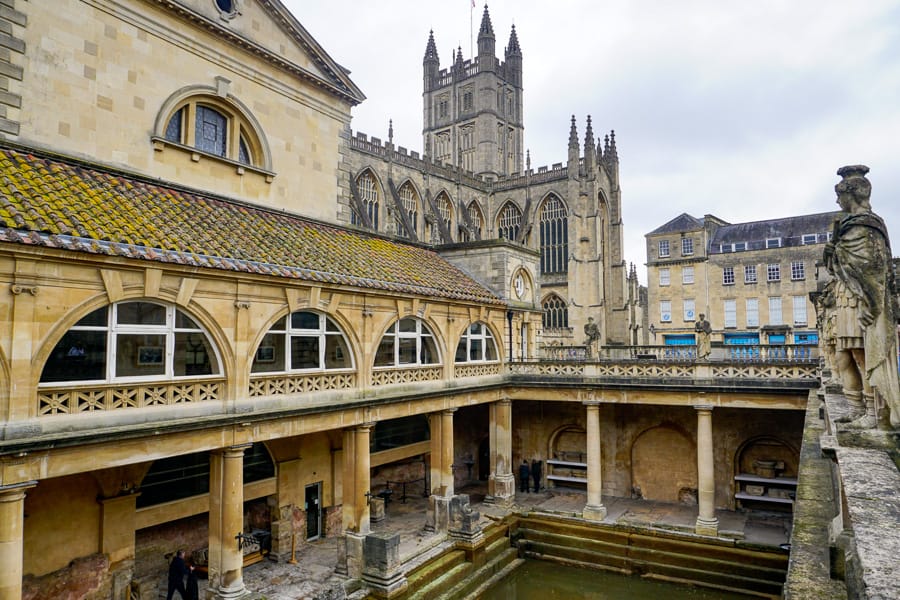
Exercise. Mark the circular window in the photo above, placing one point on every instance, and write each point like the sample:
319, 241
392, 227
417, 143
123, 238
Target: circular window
226, 6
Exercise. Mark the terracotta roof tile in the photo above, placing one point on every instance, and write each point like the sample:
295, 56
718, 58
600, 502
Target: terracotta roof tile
50, 202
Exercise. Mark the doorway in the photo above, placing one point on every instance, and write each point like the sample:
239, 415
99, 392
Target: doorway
313, 511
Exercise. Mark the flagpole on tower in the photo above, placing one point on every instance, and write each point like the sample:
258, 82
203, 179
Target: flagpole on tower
471, 34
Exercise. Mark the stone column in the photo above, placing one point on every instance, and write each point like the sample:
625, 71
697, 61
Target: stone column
436, 454
707, 523
226, 519
447, 483
355, 511
594, 509
502, 483
12, 531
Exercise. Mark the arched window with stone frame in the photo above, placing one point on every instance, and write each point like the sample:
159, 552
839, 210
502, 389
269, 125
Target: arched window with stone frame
509, 222
556, 313
476, 221
409, 200
369, 195
554, 228
445, 211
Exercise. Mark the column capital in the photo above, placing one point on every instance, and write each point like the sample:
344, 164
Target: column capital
704, 407
448, 411
591, 403
15, 491
503, 402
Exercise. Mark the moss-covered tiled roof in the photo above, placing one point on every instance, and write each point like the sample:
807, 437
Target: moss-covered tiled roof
54, 203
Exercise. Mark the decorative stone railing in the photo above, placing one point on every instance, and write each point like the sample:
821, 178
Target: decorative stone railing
687, 352
636, 369
406, 375
278, 385
101, 397
477, 370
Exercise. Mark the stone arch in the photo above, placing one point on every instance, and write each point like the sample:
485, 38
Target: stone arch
474, 218
566, 442
443, 203
376, 213
766, 449
555, 311
217, 95
195, 310
509, 221
414, 209
664, 464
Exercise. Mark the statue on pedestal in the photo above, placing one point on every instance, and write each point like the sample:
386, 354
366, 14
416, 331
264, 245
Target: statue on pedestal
703, 330
592, 335
859, 258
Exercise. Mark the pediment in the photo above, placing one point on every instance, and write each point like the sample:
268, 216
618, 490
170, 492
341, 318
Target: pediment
267, 28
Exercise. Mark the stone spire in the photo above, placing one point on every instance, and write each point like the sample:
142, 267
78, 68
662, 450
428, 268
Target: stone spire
430, 64
589, 146
487, 43
612, 144
458, 65
512, 48
573, 148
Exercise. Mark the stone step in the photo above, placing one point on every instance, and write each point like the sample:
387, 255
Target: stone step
443, 581
486, 573
432, 569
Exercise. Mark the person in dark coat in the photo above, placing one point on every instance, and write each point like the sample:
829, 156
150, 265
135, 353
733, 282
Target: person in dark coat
177, 571
524, 471
536, 475
193, 588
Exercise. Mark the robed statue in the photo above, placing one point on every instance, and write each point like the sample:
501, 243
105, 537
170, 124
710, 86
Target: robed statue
865, 326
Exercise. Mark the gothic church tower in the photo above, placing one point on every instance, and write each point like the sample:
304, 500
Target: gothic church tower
473, 109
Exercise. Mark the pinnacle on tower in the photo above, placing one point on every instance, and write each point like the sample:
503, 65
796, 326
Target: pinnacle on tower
589, 144
512, 48
573, 135
612, 143
486, 28
431, 53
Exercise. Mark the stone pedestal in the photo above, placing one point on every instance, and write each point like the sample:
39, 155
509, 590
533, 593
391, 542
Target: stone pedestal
503, 489
437, 517
351, 557
464, 523
381, 565
282, 534
376, 510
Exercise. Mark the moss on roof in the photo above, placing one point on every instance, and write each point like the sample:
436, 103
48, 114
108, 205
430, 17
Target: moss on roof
56, 203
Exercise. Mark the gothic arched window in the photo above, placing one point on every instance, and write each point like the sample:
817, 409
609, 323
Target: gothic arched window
367, 186
556, 312
445, 211
409, 200
509, 222
554, 236
476, 221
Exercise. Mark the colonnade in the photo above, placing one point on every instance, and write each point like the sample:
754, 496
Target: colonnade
226, 501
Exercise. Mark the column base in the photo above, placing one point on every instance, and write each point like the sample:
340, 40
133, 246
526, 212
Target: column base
237, 593
503, 489
593, 513
707, 526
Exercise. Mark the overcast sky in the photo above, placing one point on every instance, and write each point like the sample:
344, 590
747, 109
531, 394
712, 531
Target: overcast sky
743, 110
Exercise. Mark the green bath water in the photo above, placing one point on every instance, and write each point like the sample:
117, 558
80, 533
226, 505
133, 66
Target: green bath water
542, 580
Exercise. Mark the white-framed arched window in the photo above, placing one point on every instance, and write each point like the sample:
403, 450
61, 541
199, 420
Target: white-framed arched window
302, 341
133, 341
476, 345
407, 341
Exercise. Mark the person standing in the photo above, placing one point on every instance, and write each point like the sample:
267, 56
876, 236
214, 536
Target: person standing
178, 569
536, 474
524, 472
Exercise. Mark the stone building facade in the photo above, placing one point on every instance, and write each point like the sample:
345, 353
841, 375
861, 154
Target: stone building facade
471, 185
202, 338
751, 280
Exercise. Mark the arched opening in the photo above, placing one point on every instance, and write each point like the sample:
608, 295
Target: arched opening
664, 465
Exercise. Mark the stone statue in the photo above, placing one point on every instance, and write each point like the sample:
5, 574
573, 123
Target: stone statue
592, 334
826, 316
859, 258
703, 330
